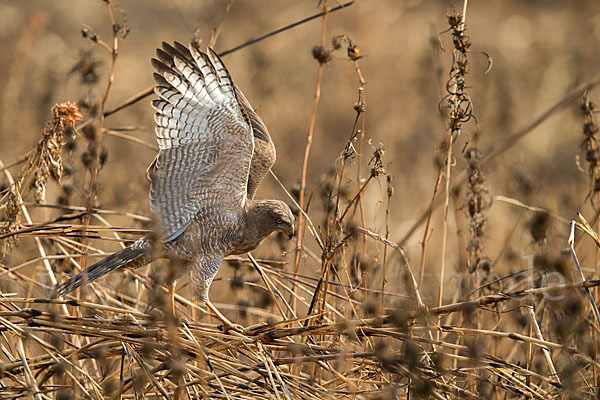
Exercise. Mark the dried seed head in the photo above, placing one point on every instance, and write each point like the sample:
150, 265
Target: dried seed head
401, 319
68, 188
352, 228
587, 106
376, 162
539, 225
39, 184
177, 367
349, 153
237, 282
242, 307
295, 191
386, 356
561, 264
454, 19
88, 33
63, 200
360, 107
89, 132
440, 361
87, 159
196, 40
590, 128
148, 349
371, 308
90, 106
70, 145
235, 264
66, 114
12, 216
592, 156
46, 161
103, 156
265, 299
321, 54
390, 188
353, 52
367, 264
87, 68
337, 41
60, 368
110, 387
475, 347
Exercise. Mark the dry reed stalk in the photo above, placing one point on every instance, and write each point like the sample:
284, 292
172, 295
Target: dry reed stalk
123, 343
118, 33
322, 55
500, 147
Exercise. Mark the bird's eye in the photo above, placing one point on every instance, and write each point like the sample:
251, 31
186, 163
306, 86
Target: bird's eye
279, 221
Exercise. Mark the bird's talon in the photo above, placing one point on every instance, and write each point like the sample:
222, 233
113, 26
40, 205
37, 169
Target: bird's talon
225, 328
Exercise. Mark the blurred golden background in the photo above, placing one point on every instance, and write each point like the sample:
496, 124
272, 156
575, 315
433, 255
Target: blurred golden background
540, 51
335, 332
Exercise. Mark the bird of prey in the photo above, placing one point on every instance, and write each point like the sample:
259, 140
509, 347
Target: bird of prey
214, 152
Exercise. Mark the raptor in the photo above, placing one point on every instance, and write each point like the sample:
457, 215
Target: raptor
214, 152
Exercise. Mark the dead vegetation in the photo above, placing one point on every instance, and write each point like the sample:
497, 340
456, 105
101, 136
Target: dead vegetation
349, 310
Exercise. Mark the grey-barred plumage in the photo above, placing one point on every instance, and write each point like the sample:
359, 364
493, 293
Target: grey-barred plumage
214, 152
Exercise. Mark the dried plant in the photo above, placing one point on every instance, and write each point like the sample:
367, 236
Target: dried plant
478, 200
457, 101
47, 160
43, 162
589, 150
341, 315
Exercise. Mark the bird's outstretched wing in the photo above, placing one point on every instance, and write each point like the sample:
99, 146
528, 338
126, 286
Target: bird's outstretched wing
205, 139
264, 154
264, 149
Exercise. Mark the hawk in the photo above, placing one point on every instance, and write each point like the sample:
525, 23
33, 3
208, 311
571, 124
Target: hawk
214, 152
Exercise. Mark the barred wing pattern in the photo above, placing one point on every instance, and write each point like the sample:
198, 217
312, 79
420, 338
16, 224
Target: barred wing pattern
205, 138
264, 149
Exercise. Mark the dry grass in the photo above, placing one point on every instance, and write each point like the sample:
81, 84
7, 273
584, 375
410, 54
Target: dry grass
472, 277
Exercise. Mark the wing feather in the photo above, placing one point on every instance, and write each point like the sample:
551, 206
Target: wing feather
220, 69
264, 150
205, 139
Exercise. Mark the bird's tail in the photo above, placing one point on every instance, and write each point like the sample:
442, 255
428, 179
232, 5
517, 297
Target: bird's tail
137, 254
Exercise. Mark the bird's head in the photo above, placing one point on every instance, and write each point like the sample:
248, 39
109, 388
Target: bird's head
275, 215
282, 218
266, 216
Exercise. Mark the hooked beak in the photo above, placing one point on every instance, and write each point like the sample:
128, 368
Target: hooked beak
291, 232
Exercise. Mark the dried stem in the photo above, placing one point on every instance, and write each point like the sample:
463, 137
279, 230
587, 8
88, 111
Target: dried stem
309, 138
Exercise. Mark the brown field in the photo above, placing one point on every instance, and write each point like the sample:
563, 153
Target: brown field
423, 271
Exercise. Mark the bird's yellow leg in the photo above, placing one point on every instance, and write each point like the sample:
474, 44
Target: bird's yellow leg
228, 324
172, 293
